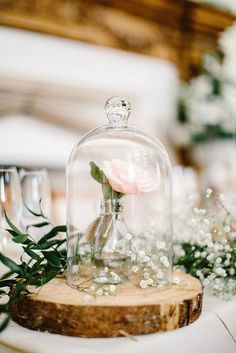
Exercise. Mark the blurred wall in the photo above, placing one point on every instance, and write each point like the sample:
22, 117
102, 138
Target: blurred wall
63, 84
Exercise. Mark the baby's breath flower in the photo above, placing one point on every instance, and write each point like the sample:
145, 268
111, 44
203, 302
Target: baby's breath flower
150, 281
163, 259
134, 269
176, 281
159, 274
133, 257
99, 292
146, 275
209, 191
206, 222
128, 236
145, 259
210, 245
233, 236
220, 271
166, 263
141, 253
210, 257
227, 229
88, 298
143, 283
112, 288
218, 260
199, 274
115, 276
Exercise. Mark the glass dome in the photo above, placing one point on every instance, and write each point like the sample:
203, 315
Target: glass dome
119, 224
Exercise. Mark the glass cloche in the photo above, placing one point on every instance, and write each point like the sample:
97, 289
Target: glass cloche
119, 206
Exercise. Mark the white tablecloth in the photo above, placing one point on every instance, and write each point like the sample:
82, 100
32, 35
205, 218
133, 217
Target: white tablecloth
207, 335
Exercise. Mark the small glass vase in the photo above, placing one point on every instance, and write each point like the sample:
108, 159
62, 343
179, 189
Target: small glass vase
110, 248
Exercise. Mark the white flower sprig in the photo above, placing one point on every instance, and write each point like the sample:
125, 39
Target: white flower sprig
210, 252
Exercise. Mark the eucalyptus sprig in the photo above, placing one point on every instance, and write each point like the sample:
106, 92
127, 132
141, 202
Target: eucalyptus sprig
40, 262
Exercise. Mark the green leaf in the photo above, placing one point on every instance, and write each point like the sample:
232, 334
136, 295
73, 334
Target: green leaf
44, 242
37, 266
60, 229
18, 292
53, 232
3, 308
10, 264
7, 283
48, 277
32, 254
52, 258
6, 275
97, 173
39, 225
11, 224
32, 212
59, 243
19, 238
4, 323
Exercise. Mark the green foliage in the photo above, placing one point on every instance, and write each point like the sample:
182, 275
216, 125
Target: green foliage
193, 262
182, 115
212, 133
97, 173
41, 261
190, 263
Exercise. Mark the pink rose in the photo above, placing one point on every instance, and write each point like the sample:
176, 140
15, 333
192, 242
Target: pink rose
127, 178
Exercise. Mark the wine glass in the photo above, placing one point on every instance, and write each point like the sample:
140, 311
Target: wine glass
10, 202
36, 194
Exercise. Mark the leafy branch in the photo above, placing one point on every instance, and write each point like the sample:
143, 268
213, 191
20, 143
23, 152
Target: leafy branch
41, 261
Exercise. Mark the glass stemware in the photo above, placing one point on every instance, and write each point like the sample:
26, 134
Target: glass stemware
10, 201
36, 194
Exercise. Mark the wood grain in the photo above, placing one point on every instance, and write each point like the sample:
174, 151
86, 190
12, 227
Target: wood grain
177, 30
57, 308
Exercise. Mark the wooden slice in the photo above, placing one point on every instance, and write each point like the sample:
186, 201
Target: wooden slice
57, 308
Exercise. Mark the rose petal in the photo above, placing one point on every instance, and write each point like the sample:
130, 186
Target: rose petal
127, 178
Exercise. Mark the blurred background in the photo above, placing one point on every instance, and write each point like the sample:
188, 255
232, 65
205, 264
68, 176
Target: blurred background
60, 60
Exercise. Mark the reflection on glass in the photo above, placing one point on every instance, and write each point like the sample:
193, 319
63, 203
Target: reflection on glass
10, 201
36, 194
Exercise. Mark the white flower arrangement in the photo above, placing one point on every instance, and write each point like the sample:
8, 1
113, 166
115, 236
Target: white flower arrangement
210, 251
206, 106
